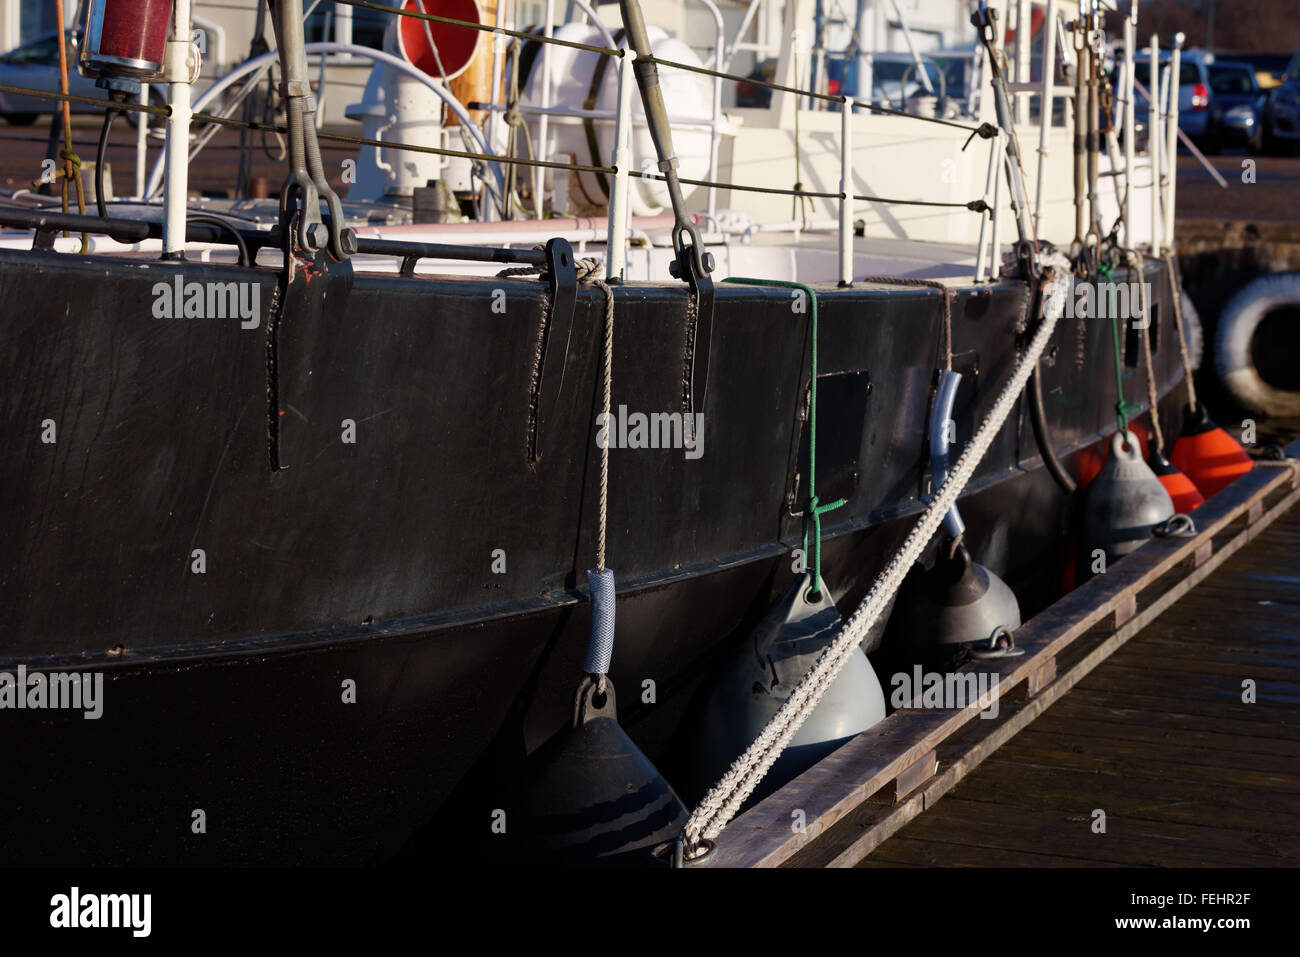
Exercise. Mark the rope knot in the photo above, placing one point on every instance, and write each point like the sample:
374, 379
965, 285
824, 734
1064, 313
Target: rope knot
985, 131
71, 157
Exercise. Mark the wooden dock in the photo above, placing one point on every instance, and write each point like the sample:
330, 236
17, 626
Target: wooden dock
1158, 738
1156, 734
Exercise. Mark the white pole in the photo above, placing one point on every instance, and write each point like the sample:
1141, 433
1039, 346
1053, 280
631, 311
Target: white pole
616, 239
141, 143
866, 49
179, 62
1171, 139
980, 248
1024, 18
1130, 39
846, 188
1153, 141
1045, 104
342, 24
491, 212
539, 173
995, 254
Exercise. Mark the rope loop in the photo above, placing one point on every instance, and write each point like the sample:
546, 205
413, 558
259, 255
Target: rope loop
1175, 526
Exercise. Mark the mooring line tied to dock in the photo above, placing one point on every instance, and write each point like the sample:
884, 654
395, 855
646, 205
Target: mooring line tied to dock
724, 800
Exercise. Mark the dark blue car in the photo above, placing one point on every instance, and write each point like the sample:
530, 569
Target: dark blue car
1282, 113
1237, 107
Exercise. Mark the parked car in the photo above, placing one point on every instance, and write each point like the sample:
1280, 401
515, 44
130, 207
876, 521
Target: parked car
1238, 104
1194, 93
35, 65
894, 79
1282, 113
1269, 68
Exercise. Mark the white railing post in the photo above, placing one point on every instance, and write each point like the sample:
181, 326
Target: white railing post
141, 144
179, 63
492, 211
995, 252
1171, 139
616, 238
846, 191
1046, 102
980, 248
543, 125
1130, 125
1024, 18
1153, 140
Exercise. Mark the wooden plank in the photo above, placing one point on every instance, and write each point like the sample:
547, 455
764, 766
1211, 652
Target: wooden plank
1209, 741
1092, 706
1038, 679
908, 780
1004, 781
826, 793
1263, 771
1125, 841
1200, 555
1187, 705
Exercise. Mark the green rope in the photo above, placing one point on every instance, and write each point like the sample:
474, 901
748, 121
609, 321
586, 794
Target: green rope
1122, 408
814, 511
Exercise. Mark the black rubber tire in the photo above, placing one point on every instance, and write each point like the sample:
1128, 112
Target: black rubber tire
1233, 344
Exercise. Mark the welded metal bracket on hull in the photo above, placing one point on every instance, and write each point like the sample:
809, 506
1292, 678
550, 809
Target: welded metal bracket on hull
301, 335
562, 274
699, 335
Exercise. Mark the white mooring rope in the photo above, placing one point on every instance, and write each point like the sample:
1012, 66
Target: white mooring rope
722, 802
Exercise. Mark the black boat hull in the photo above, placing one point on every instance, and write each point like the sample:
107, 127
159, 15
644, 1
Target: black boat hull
377, 562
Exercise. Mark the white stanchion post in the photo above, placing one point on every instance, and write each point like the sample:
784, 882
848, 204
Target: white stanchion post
1045, 104
616, 238
141, 144
995, 252
1130, 124
543, 123
1171, 139
980, 249
1153, 141
846, 191
179, 63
